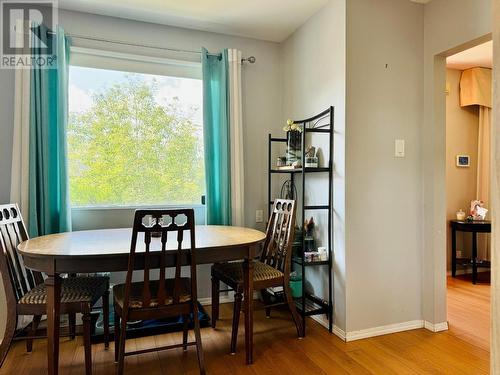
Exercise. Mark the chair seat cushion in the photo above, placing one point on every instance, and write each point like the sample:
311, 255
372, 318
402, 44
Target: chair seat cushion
136, 293
232, 273
73, 290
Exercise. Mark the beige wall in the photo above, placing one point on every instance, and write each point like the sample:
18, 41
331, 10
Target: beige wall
461, 139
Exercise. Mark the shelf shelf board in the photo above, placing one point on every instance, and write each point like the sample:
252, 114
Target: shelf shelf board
321, 207
312, 306
310, 264
313, 130
308, 170
284, 140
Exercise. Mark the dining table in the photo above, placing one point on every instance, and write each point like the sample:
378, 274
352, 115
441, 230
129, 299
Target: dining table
107, 250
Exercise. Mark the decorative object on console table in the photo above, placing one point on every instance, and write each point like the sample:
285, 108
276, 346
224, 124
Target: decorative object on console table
477, 210
461, 215
321, 125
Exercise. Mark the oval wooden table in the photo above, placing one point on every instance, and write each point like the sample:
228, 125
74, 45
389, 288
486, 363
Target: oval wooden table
107, 250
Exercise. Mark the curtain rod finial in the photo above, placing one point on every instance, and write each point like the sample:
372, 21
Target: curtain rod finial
250, 59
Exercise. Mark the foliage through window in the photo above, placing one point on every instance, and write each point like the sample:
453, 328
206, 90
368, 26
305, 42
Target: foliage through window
134, 139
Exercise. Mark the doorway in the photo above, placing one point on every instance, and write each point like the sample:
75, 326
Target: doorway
468, 242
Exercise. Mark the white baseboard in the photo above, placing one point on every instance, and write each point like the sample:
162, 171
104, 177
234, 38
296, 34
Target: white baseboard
383, 330
340, 333
436, 327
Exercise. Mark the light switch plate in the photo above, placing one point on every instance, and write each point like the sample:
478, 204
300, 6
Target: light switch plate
259, 216
399, 148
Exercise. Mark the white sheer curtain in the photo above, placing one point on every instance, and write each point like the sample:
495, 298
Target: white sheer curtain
236, 138
20, 142
483, 155
483, 173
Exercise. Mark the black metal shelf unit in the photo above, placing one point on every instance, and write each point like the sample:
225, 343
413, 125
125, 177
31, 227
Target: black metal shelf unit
310, 304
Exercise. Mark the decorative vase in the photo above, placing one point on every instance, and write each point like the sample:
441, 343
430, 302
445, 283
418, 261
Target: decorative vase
294, 147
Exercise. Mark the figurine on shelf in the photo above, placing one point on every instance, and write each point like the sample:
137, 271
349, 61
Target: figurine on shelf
311, 159
309, 235
311, 151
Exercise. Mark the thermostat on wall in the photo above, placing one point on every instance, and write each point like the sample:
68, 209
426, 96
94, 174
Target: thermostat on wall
463, 161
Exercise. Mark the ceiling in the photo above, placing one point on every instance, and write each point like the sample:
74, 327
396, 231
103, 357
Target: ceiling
272, 20
479, 56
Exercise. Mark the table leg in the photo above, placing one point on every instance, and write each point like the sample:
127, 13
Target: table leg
53, 285
453, 252
248, 268
474, 257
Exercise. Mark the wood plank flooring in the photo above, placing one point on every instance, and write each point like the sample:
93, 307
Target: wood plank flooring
464, 349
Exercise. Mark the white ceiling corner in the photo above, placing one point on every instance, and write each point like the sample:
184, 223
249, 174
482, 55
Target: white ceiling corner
260, 19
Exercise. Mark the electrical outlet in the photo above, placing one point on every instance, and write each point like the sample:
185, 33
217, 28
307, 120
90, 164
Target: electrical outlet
259, 216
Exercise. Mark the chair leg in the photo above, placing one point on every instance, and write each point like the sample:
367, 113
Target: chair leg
72, 325
295, 315
236, 320
105, 318
117, 335
197, 335
86, 339
34, 326
267, 301
121, 351
185, 328
215, 300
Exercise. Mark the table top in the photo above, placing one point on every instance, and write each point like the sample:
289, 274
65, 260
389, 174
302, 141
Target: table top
474, 222
114, 242
479, 226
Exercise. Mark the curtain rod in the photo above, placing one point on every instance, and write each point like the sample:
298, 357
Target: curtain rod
250, 59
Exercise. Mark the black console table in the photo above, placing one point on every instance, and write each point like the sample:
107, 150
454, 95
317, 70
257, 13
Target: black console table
474, 227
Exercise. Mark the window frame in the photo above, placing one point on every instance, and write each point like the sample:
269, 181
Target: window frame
128, 62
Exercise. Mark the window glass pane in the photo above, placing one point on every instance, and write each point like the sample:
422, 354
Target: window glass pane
134, 139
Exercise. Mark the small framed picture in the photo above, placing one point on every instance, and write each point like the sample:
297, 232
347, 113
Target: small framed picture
463, 161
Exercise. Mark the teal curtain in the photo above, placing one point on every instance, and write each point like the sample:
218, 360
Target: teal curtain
49, 207
216, 137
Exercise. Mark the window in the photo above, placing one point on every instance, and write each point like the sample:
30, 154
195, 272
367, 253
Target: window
135, 134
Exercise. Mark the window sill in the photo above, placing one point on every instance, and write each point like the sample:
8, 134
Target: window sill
144, 207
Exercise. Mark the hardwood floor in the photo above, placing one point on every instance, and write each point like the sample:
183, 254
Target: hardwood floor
469, 309
461, 350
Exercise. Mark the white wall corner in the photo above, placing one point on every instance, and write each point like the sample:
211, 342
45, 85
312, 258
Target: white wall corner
384, 330
437, 327
340, 333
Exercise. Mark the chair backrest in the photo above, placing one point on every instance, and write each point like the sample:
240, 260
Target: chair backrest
17, 279
279, 236
147, 225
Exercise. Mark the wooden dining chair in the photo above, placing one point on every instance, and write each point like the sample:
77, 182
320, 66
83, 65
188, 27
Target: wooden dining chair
272, 270
26, 293
166, 297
